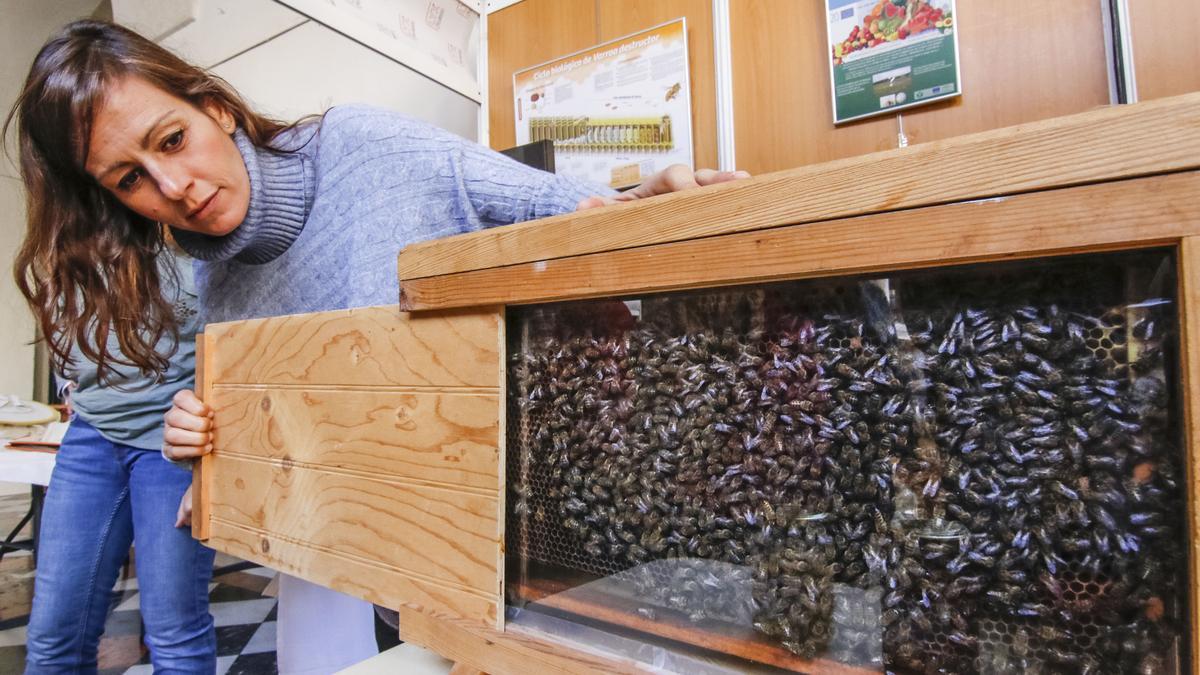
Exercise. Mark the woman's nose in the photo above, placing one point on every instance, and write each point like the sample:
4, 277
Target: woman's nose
173, 181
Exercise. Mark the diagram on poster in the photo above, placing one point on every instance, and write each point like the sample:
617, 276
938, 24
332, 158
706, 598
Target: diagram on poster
617, 112
886, 55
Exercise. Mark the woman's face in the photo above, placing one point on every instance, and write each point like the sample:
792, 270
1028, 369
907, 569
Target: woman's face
168, 160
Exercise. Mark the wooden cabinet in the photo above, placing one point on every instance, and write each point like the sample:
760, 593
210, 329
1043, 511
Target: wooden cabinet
369, 450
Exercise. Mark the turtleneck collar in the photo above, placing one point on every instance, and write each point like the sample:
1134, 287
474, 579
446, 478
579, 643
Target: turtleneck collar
282, 186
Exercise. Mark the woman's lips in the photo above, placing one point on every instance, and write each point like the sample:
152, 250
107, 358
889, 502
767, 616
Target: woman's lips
206, 208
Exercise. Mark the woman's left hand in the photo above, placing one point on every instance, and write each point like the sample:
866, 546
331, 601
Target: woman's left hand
671, 179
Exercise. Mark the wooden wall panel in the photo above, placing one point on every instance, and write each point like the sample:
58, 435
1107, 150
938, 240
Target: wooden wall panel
1022, 60
1166, 50
526, 34
359, 449
622, 17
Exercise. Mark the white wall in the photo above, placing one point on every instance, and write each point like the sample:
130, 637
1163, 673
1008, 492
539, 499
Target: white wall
289, 66
310, 68
24, 27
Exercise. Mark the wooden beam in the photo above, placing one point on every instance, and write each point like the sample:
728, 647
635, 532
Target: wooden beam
1101, 145
511, 652
1189, 304
501, 482
201, 468
741, 641
1138, 212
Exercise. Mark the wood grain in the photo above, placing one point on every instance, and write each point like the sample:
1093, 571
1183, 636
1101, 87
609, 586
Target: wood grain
442, 438
524, 35
1139, 212
202, 468
371, 346
438, 534
359, 449
618, 18
1014, 57
1189, 303
377, 583
511, 652
1101, 145
1166, 53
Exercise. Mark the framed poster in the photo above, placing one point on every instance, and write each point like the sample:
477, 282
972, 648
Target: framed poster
887, 55
616, 112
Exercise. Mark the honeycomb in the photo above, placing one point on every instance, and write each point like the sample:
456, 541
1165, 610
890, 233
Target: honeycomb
1062, 600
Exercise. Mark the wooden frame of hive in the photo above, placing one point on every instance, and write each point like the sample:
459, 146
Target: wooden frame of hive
363, 449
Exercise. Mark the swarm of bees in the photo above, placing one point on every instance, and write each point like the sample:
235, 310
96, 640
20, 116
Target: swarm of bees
1007, 457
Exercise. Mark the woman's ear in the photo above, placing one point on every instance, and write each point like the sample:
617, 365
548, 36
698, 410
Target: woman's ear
221, 115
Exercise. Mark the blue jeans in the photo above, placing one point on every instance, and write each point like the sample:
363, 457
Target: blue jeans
102, 496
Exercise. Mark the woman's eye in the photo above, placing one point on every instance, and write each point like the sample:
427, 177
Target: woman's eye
130, 180
173, 140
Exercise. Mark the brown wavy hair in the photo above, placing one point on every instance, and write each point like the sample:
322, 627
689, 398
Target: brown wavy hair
88, 265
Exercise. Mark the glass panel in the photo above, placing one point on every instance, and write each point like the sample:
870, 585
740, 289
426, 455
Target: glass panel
971, 469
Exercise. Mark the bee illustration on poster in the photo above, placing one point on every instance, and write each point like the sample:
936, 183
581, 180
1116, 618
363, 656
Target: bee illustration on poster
887, 55
616, 112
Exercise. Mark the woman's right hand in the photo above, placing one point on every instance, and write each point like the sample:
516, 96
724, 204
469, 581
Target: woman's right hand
188, 427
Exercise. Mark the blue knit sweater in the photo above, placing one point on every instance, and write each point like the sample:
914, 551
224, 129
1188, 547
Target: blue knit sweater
327, 220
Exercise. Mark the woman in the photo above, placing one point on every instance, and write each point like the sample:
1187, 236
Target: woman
286, 218
110, 487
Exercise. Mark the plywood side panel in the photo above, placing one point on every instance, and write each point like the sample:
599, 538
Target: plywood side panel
1166, 51
372, 346
443, 535
381, 584
359, 450
1022, 60
1138, 212
1101, 145
524, 35
445, 439
618, 18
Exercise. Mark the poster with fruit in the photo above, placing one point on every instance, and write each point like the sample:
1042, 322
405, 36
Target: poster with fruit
887, 55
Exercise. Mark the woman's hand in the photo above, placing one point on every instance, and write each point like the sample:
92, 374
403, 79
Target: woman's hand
187, 433
183, 517
671, 179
